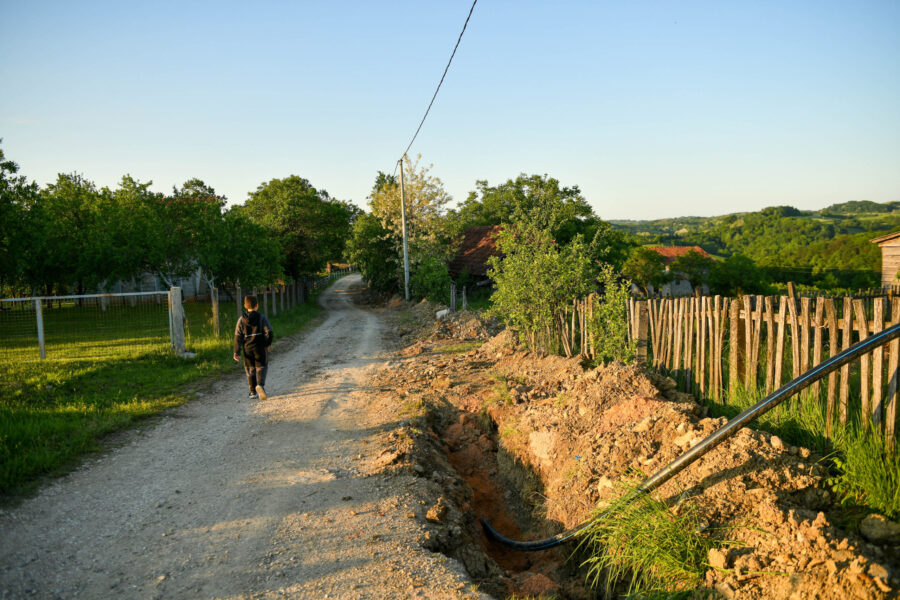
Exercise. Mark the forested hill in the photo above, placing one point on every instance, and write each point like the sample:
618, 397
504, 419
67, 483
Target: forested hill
831, 243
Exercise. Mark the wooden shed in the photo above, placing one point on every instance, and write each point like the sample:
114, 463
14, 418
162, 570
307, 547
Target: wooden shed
477, 245
890, 257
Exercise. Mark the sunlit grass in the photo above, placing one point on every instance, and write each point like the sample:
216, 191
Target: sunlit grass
55, 410
639, 543
864, 472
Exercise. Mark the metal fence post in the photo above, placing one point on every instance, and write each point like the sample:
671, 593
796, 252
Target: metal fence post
176, 319
39, 314
464, 302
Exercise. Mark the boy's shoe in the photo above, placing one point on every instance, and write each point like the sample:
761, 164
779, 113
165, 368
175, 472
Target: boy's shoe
252, 396
261, 392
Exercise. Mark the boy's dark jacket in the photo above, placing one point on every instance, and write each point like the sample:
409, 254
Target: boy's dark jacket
252, 332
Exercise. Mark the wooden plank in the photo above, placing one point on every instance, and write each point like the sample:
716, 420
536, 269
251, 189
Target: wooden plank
689, 344
701, 328
670, 333
831, 318
721, 316
678, 328
804, 334
770, 344
890, 412
795, 336
818, 322
846, 340
654, 335
642, 330
733, 344
878, 368
781, 323
748, 343
865, 376
756, 342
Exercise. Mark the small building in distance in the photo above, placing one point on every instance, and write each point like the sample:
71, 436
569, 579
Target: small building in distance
679, 286
890, 257
478, 244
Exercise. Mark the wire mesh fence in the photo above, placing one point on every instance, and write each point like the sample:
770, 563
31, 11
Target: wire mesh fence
83, 327
104, 326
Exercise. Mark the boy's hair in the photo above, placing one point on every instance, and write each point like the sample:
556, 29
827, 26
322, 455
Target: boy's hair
250, 300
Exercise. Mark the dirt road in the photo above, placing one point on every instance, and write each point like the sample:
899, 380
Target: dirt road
231, 498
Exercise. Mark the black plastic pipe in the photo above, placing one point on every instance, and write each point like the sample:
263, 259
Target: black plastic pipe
717, 437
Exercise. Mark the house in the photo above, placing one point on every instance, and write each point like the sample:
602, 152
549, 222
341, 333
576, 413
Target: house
890, 257
477, 246
679, 286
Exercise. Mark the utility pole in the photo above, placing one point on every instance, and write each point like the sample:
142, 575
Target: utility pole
405, 248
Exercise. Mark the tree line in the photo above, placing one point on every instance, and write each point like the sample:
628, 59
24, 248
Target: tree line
72, 237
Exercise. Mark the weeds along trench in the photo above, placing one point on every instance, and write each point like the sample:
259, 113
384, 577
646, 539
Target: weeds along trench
540, 444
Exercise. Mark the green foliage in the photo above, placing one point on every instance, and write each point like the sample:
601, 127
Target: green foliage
864, 472
311, 227
646, 268
610, 322
828, 249
638, 541
561, 210
430, 279
696, 268
536, 278
373, 250
737, 275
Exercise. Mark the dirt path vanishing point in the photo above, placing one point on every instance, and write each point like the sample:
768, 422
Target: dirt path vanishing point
230, 498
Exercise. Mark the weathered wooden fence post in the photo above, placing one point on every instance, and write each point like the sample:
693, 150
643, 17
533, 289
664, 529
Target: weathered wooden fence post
214, 300
176, 318
238, 300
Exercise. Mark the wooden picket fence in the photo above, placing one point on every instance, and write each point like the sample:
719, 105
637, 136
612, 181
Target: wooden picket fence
714, 344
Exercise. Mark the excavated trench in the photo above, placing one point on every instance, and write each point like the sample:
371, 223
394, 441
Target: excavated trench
534, 443
508, 493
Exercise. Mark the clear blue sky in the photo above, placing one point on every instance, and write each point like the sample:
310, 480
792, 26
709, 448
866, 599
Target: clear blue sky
655, 109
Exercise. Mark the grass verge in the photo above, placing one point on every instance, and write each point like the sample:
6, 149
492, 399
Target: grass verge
52, 412
639, 543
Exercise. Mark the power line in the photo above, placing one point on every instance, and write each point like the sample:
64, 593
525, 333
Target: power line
447, 68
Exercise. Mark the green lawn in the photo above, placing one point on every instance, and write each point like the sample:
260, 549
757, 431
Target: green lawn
104, 370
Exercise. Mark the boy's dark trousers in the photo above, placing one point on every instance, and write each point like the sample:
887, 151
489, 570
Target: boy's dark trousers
255, 365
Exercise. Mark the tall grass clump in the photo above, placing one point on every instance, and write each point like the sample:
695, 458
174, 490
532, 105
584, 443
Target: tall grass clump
638, 542
864, 472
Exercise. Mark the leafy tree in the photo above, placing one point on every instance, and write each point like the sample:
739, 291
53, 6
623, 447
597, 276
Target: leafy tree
64, 245
561, 209
431, 280
311, 227
645, 267
694, 267
425, 200
738, 275
16, 195
373, 250
536, 277
610, 321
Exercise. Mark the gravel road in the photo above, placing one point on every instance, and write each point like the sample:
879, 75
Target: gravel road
227, 497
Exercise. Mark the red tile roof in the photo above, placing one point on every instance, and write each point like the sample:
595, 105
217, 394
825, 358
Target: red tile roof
670, 253
477, 245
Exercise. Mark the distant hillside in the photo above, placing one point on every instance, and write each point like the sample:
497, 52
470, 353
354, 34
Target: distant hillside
832, 243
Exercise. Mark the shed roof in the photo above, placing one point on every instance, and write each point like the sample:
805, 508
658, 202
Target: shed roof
477, 245
670, 253
885, 238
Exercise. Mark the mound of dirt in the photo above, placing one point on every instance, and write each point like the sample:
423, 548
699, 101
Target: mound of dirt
539, 435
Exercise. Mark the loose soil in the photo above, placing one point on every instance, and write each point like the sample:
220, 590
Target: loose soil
539, 442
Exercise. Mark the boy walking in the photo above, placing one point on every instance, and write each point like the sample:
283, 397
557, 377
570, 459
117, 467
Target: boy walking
254, 335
